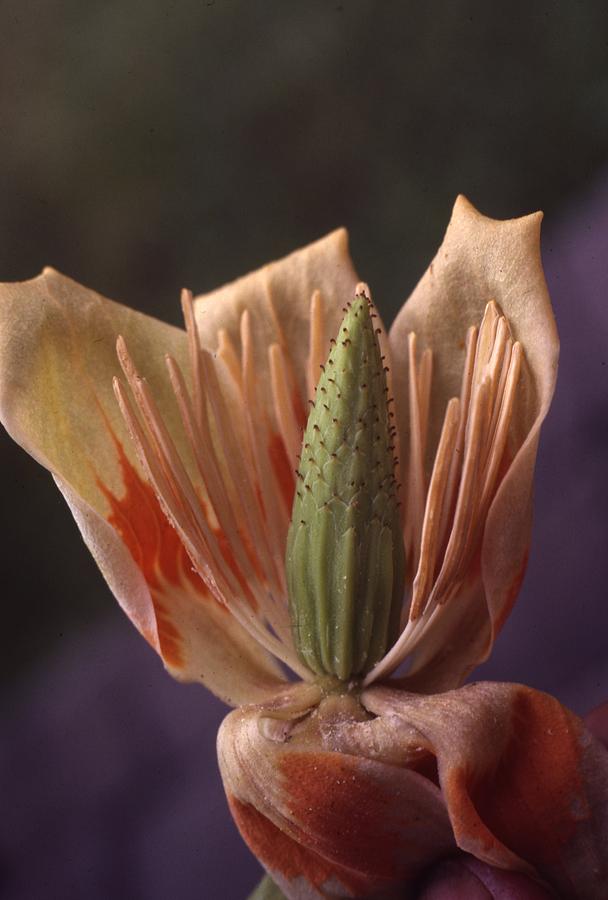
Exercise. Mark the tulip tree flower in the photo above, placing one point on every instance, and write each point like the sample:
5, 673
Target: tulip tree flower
335, 576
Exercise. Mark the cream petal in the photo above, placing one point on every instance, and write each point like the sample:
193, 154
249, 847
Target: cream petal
278, 298
481, 260
327, 823
270, 330
525, 784
57, 361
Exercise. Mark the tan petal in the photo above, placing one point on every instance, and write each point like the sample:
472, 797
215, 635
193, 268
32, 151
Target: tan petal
270, 332
278, 298
327, 823
481, 260
525, 784
57, 361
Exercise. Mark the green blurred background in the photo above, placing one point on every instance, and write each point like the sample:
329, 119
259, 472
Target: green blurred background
145, 146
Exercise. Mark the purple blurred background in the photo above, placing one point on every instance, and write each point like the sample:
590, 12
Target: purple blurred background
143, 148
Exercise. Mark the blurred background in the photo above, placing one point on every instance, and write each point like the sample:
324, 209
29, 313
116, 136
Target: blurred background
145, 146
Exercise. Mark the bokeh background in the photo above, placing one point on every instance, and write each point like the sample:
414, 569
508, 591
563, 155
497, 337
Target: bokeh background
145, 146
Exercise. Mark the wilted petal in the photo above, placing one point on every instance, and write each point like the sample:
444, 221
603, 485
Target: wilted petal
57, 361
525, 784
327, 823
480, 260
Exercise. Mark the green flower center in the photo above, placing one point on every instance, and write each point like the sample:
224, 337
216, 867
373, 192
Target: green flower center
345, 559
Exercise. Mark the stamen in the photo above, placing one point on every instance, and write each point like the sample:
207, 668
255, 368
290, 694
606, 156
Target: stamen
275, 521
416, 477
249, 573
194, 346
181, 504
206, 461
173, 506
239, 478
458, 455
432, 517
425, 375
464, 478
284, 411
243, 495
241, 547
499, 438
317, 352
228, 355
465, 505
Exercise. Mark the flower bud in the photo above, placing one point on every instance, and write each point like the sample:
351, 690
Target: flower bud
345, 558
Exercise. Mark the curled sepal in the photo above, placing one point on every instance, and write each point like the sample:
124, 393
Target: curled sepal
355, 798
326, 823
345, 557
526, 785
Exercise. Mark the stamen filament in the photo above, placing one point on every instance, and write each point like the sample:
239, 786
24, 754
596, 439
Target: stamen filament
228, 355
432, 518
182, 506
416, 481
276, 519
318, 342
464, 478
290, 430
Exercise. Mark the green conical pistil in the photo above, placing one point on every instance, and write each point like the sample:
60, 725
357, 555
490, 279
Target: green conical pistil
345, 558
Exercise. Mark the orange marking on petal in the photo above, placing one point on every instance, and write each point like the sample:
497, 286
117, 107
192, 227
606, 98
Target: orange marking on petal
154, 545
463, 813
169, 637
534, 799
280, 853
282, 469
339, 806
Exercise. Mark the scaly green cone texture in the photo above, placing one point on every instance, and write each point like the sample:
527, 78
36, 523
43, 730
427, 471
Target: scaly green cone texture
345, 559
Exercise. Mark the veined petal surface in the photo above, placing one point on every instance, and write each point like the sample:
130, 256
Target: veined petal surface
57, 361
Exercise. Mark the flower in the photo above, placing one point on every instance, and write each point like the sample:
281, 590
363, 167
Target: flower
183, 492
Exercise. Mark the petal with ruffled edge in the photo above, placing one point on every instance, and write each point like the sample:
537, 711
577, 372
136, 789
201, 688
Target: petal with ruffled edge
57, 360
526, 785
481, 260
327, 823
